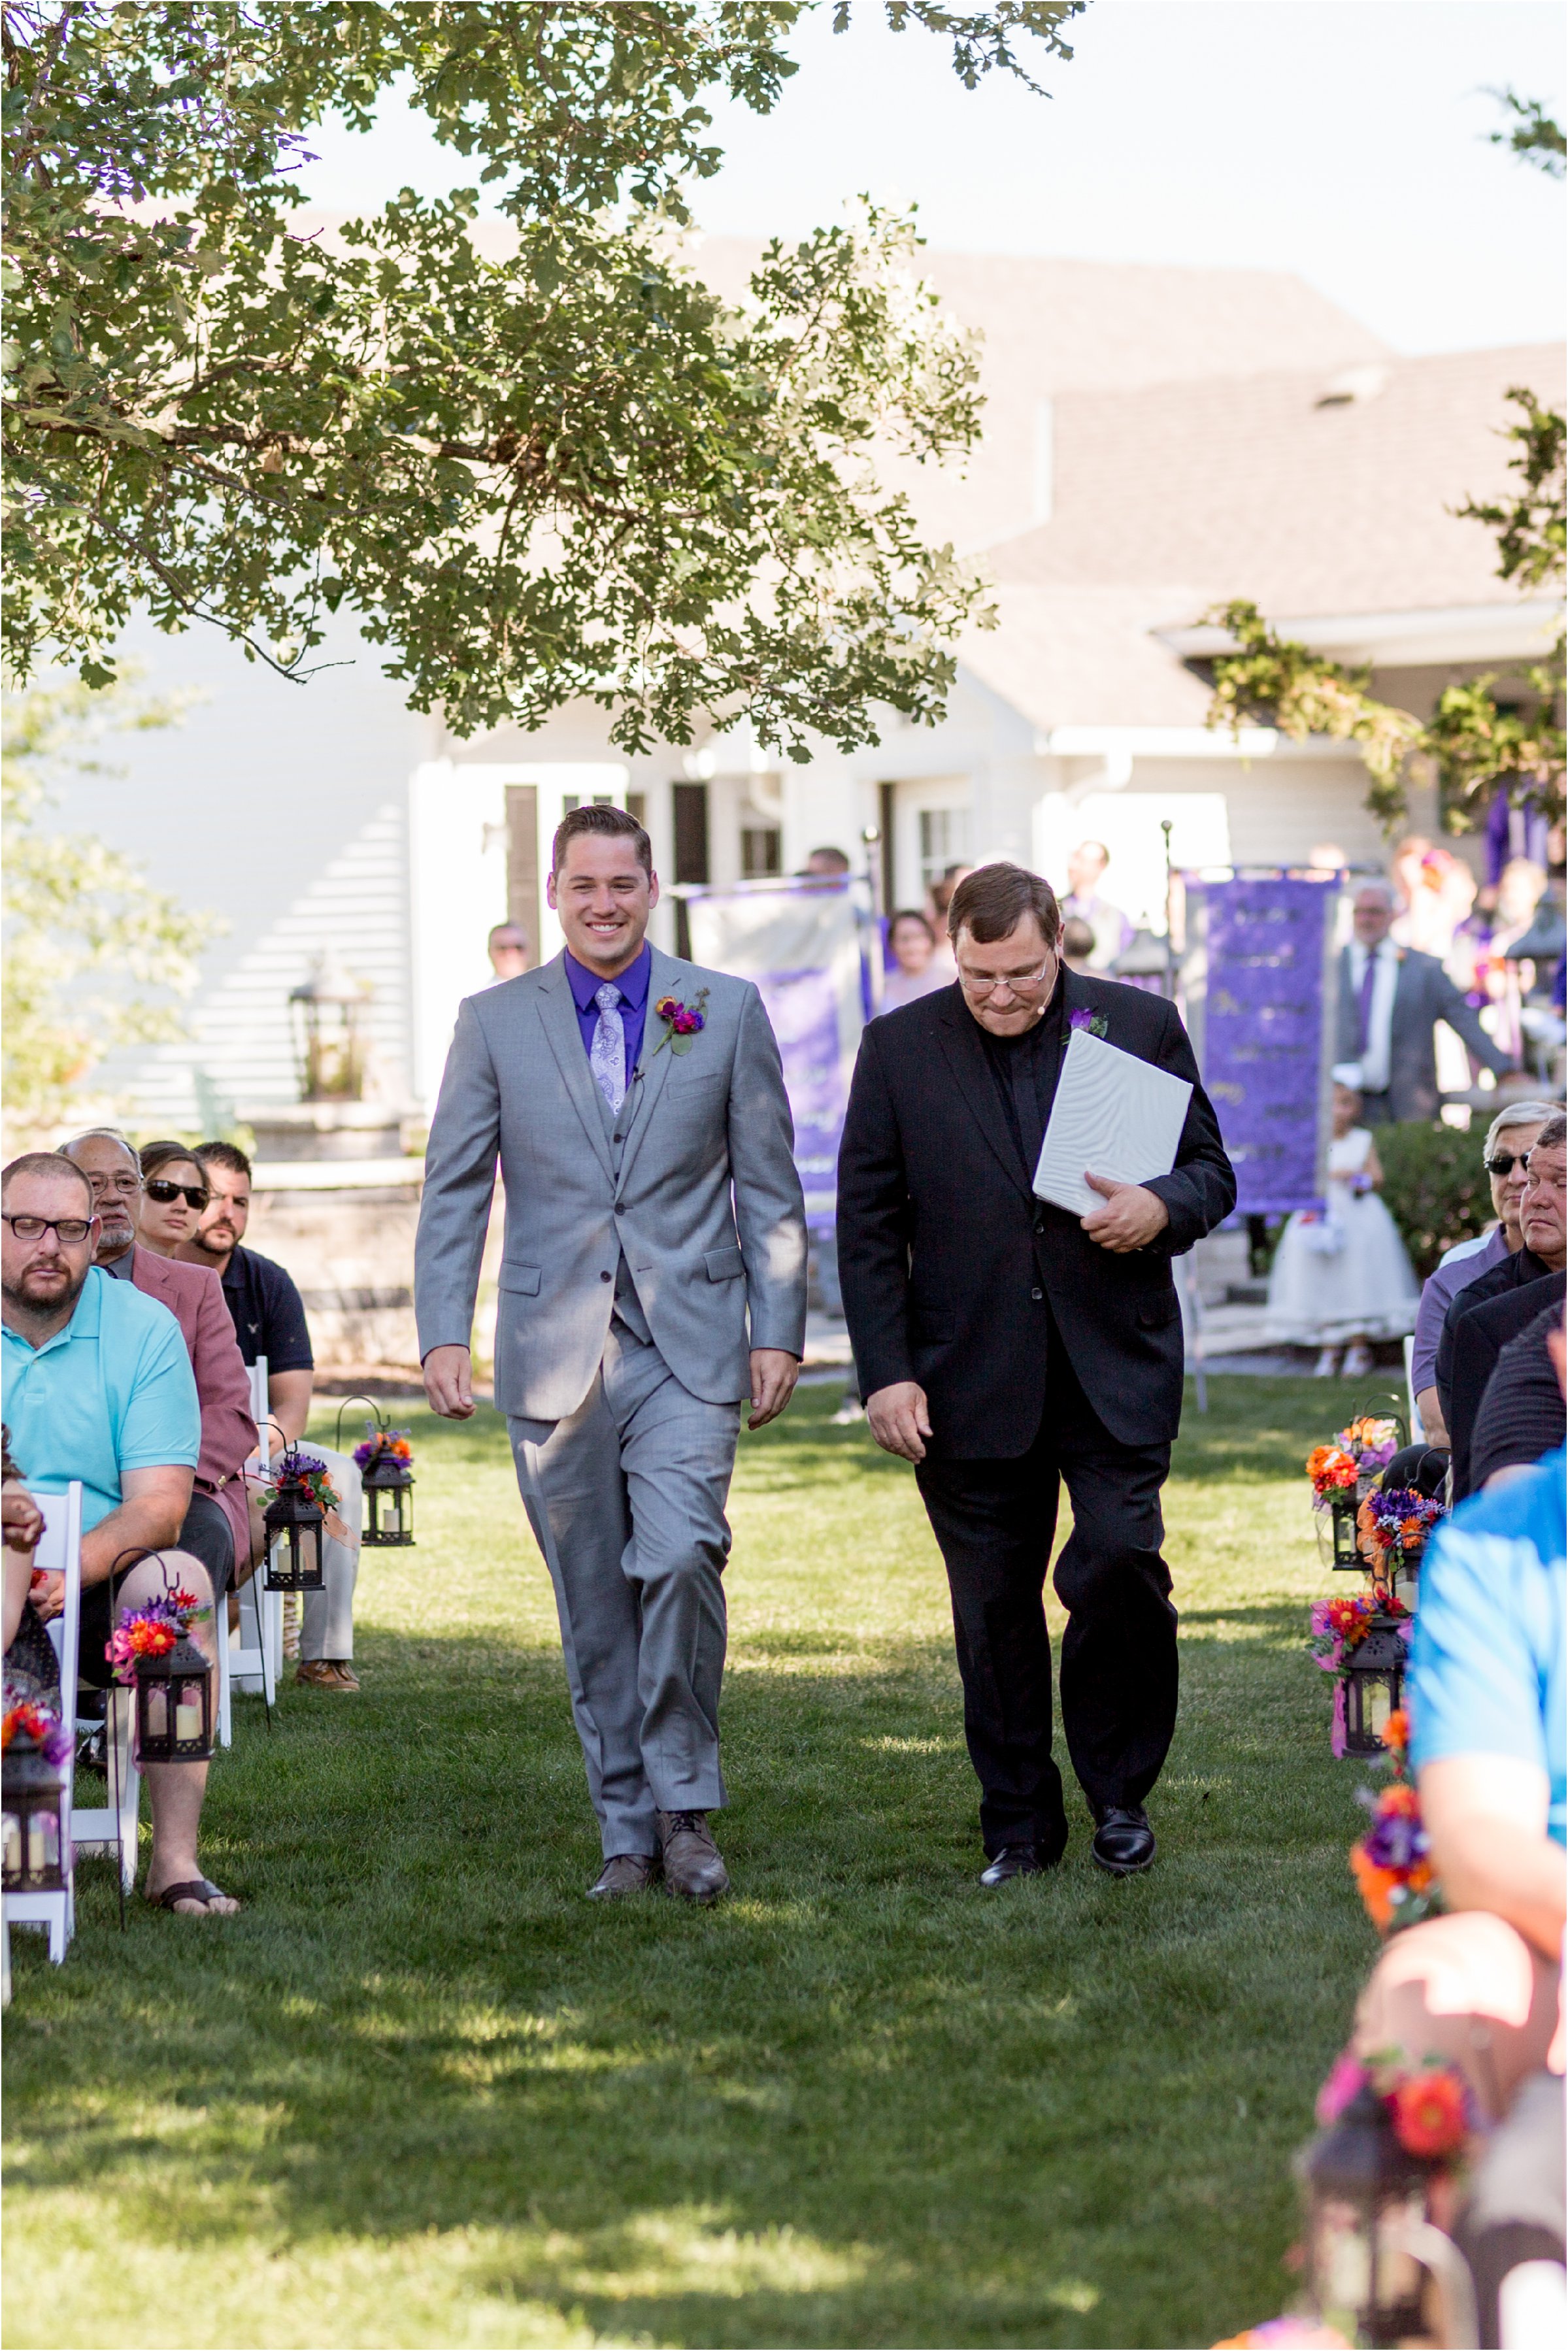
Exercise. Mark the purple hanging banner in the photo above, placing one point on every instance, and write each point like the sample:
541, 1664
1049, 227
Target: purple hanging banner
1257, 1011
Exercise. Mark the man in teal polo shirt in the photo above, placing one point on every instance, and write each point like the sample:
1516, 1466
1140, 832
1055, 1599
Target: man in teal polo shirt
99, 1387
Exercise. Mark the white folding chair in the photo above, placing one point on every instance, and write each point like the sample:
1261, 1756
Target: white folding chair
254, 1661
113, 1827
59, 1552
1417, 1433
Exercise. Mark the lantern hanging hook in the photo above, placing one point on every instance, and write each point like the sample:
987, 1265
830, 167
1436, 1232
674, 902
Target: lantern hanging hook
357, 1397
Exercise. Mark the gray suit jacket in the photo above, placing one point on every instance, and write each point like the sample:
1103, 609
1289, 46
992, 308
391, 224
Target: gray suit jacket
706, 1206
1423, 994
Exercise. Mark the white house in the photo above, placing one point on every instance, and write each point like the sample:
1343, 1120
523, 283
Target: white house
1157, 440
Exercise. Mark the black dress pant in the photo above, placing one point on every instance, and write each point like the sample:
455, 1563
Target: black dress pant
995, 1522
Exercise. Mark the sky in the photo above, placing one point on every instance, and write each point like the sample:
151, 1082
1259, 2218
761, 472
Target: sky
1342, 140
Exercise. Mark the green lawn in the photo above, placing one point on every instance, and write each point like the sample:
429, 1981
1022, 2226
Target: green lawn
422, 2093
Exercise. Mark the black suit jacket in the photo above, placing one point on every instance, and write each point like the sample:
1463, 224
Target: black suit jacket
1479, 1324
946, 1256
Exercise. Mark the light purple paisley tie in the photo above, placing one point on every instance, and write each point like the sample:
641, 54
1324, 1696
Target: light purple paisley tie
607, 1058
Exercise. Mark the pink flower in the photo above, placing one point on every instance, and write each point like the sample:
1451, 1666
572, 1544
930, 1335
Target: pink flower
1345, 2078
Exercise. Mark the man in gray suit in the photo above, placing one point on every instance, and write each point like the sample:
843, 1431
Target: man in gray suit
654, 1279
1390, 1000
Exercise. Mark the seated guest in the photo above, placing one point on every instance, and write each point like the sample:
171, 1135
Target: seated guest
99, 1387
912, 970
1498, 1306
1503, 1154
269, 1320
1520, 1416
1479, 1989
1077, 944
217, 1523
508, 947
32, 1673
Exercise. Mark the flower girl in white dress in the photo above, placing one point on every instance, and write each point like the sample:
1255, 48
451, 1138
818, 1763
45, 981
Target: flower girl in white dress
1341, 1278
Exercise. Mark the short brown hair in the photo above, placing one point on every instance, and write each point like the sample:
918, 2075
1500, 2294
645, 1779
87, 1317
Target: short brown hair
223, 1154
991, 901
596, 817
46, 1163
1553, 1135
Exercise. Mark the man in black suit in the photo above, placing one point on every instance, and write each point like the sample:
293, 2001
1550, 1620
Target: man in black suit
1390, 1001
1002, 1344
1495, 1309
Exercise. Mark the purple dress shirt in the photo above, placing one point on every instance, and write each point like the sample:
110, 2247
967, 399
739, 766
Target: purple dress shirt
633, 985
1463, 1265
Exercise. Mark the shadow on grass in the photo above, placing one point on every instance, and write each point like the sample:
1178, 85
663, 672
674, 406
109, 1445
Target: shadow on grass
862, 2102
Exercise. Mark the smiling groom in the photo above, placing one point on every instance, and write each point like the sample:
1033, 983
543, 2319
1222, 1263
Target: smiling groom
654, 1279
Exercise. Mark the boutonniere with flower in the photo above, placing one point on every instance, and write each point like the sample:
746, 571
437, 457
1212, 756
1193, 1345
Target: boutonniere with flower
1093, 1024
684, 1023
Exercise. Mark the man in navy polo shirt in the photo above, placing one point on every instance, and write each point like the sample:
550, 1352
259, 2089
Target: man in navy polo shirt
269, 1320
99, 1387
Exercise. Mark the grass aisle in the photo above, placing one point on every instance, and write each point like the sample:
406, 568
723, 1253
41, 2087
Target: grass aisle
422, 2093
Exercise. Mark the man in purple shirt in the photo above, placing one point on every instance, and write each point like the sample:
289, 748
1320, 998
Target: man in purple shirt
1507, 1143
623, 998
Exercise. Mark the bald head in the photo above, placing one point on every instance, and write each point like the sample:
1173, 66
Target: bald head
114, 1175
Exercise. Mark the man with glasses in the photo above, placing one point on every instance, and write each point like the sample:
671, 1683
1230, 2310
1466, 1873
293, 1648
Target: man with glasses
1503, 1156
1506, 1301
1003, 1345
216, 1525
99, 1387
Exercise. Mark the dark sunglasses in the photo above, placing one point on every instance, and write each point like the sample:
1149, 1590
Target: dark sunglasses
1503, 1163
68, 1230
161, 1189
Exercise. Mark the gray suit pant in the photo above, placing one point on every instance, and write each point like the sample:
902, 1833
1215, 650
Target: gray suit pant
626, 1498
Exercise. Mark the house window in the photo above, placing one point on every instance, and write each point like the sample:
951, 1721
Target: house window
761, 852
942, 842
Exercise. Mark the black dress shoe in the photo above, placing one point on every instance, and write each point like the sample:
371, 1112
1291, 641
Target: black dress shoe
1014, 1861
1123, 1841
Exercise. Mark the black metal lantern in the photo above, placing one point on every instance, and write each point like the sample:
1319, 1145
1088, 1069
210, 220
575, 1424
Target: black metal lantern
174, 1706
389, 1500
1342, 1510
1366, 2209
34, 1797
1373, 1678
1403, 1571
294, 1523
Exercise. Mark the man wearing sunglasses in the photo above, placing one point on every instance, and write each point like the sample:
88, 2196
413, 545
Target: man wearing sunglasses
216, 1525
1503, 1156
99, 1387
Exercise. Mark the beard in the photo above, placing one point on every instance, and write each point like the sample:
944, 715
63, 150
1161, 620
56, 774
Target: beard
19, 1297
217, 1241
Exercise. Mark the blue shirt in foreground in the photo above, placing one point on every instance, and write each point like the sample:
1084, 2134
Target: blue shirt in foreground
1488, 1671
113, 1391
633, 986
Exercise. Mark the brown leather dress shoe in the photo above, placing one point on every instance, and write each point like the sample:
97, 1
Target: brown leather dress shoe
693, 1866
624, 1872
327, 1673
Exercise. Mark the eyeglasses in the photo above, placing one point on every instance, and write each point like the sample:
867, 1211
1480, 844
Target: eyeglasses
1019, 983
127, 1185
1503, 1163
68, 1230
161, 1189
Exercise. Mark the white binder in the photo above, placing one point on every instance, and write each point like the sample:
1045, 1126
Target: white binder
1113, 1112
